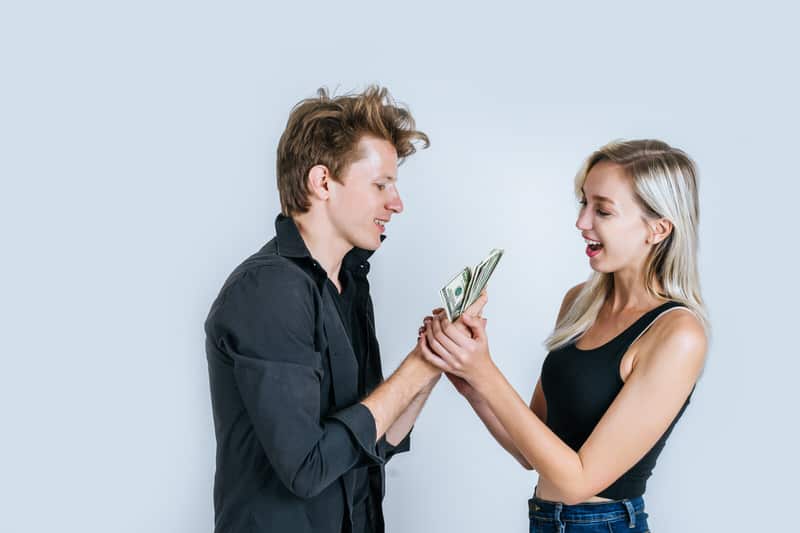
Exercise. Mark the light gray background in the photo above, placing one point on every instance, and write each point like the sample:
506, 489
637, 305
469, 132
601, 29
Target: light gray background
137, 160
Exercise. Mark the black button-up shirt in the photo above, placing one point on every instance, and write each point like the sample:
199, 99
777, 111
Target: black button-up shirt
289, 359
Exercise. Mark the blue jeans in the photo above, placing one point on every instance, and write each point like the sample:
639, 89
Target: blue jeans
607, 517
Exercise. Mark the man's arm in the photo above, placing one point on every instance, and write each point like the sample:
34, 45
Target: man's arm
399, 399
402, 426
404, 421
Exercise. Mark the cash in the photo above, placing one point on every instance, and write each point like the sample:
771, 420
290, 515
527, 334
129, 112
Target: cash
462, 291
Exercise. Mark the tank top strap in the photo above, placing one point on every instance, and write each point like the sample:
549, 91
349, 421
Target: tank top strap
630, 335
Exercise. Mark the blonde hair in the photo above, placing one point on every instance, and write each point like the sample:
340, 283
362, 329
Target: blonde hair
665, 184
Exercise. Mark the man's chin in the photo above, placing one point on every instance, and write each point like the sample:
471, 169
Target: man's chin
369, 244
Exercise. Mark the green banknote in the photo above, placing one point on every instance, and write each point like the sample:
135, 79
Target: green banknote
462, 291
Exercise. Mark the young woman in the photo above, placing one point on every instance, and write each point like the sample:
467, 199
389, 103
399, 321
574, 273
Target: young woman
628, 346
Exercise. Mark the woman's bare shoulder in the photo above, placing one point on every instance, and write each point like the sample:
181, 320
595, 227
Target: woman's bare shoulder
677, 333
569, 299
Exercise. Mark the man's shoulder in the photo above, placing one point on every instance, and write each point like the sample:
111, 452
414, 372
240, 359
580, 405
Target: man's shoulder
267, 272
267, 263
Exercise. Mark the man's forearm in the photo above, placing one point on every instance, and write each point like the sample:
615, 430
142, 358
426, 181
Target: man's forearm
398, 431
393, 397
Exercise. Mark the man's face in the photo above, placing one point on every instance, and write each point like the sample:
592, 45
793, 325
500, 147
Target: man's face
365, 201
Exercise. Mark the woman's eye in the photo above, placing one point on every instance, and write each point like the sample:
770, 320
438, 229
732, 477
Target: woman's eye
602, 213
380, 186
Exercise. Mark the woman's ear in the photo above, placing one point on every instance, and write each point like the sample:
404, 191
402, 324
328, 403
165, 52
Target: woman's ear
659, 231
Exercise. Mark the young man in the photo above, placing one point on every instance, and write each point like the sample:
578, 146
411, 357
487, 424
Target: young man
303, 421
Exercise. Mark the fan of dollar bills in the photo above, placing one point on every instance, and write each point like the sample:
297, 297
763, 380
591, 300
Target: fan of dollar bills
466, 287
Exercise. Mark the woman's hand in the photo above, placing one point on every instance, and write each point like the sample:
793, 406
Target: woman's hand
455, 351
476, 309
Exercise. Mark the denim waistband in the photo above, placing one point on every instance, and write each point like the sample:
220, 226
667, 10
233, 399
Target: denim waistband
586, 512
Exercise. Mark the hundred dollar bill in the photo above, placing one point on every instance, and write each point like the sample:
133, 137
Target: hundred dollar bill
462, 291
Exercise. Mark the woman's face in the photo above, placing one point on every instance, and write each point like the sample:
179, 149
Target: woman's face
612, 221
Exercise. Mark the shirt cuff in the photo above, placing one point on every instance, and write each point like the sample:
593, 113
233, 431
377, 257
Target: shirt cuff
361, 424
387, 450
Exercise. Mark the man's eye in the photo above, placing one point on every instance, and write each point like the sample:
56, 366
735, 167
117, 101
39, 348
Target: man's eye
602, 213
582, 202
380, 186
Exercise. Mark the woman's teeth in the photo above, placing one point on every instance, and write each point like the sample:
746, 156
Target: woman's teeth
594, 245
379, 222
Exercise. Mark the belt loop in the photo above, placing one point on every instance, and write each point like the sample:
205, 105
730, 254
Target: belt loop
631, 513
561, 525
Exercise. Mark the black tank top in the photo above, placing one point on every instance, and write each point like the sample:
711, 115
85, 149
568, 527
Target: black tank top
580, 385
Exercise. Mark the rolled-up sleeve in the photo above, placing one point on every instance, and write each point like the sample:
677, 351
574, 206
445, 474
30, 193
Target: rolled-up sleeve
264, 321
386, 450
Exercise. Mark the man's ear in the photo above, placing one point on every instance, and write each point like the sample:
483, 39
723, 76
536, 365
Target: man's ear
660, 230
318, 178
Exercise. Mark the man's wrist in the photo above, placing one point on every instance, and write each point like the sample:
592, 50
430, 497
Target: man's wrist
418, 369
429, 386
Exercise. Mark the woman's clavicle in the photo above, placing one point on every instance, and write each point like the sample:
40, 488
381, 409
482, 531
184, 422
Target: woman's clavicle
607, 329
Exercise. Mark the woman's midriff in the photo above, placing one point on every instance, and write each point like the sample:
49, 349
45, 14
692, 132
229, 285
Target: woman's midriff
546, 490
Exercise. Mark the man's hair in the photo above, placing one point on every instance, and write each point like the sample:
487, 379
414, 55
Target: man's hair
325, 130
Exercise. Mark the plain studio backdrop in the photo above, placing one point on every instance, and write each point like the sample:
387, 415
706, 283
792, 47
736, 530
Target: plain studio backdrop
137, 153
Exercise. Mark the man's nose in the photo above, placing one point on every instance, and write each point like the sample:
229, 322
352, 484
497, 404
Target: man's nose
395, 204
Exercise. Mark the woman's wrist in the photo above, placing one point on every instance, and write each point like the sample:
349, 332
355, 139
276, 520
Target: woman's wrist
488, 379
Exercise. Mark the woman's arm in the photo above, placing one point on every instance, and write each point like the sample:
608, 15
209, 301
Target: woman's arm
538, 404
648, 402
492, 423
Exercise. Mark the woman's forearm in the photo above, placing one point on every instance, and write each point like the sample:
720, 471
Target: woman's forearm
492, 423
531, 437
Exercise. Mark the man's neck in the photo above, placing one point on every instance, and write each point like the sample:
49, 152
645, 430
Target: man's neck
324, 243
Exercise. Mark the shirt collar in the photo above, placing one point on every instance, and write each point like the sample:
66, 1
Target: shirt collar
291, 244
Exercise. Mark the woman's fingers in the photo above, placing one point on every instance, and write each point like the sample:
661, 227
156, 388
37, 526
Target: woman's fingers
477, 306
477, 327
436, 347
458, 333
438, 327
431, 357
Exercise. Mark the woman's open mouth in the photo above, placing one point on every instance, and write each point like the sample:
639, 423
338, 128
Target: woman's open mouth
593, 247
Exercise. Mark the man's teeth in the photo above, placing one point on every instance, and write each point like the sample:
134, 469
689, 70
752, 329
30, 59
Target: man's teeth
592, 243
380, 222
